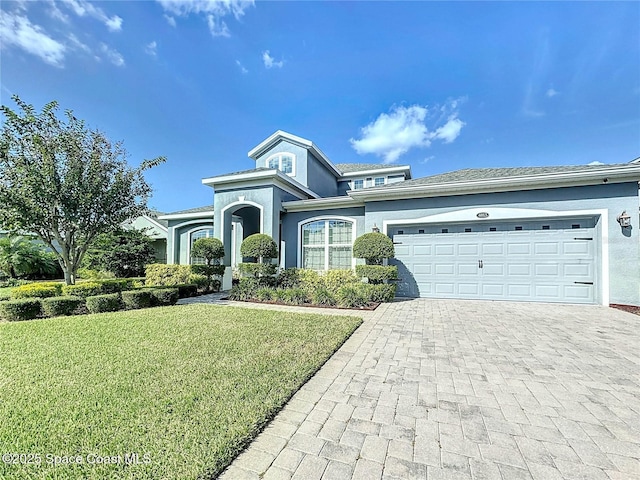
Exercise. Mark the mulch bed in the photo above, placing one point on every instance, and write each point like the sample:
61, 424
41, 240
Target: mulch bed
371, 306
626, 308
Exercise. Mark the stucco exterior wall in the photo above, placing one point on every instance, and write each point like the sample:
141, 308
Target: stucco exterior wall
291, 231
320, 179
623, 244
300, 169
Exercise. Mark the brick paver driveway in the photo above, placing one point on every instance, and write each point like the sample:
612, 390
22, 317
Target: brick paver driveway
444, 389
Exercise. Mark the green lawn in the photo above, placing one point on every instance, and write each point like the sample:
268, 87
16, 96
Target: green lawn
187, 385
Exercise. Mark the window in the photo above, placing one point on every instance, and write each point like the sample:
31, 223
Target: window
518, 228
467, 230
378, 181
368, 182
493, 229
326, 244
400, 232
421, 230
195, 235
546, 227
445, 230
358, 184
282, 161
575, 225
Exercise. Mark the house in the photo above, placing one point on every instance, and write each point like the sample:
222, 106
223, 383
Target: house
548, 234
156, 229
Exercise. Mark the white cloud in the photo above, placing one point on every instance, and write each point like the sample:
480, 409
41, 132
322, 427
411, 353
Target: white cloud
393, 134
552, 92
56, 13
217, 26
151, 48
83, 7
213, 10
269, 61
18, 31
242, 68
112, 55
78, 44
595, 162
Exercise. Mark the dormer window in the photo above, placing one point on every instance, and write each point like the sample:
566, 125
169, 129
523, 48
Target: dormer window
285, 162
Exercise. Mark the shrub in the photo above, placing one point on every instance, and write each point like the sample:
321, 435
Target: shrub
84, 289
289, 278
211, 249
58, 306
208, 270
5, 295
200, 281
133, 299
280, 295
352, 296
109, 302
259, 246
373, 247
93, 274
23, 309
309, 280
215, 285
384, 292
322, 296
294, 296
36, 290
115, 285
335, 279
164, 296
167, 275
187, 290
257, 269
245, 289
377, 273
264, 294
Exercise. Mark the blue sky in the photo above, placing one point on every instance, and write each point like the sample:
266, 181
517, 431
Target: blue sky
438, 86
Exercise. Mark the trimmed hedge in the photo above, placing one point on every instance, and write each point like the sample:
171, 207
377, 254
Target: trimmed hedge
115, 285
164, 296
187, 290
58, 306
23, 309
335, 279
377, 273
208, 270
84, 289
5, 296
37, 290
167, 275
109, 302
384, 292
134, 299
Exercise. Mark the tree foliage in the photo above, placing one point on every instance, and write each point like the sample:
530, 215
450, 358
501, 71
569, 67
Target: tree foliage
373, 247
20, 257
65, 182
211, 250
123, 252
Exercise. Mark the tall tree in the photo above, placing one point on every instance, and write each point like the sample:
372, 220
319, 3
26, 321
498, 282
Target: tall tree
65, 182
123, 252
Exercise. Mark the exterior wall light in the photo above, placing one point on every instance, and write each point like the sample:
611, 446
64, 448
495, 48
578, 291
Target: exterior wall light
624, 219
375, 229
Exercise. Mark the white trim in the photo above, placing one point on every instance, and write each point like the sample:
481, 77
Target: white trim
263, 146
378, 171
280, 155
234, 204
321, 204
502, 214
354, 235
175, 229
178, 216
281, 180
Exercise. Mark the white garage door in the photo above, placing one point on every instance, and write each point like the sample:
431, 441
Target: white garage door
549, 261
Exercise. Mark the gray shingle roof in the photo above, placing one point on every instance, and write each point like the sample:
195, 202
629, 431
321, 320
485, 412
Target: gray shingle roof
358, 167
471, 174
205, 208
155, 214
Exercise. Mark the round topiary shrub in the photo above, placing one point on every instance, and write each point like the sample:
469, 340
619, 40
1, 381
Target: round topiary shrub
260, 246
373, 247
58, 306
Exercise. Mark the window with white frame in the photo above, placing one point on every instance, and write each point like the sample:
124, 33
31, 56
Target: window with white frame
195, 235
358, 184
326, 244
378, 181
285, 162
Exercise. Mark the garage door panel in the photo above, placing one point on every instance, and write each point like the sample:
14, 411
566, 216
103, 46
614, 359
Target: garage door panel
529, 264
